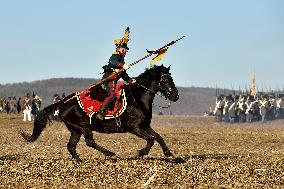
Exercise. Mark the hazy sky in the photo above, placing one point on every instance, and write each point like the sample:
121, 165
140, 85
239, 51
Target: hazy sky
226, 40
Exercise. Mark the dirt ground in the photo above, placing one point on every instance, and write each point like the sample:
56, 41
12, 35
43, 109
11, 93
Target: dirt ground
208, 155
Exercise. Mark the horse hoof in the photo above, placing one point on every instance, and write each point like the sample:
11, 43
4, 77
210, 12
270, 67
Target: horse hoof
179, 160
168, 154
77, 159
109, 154
141, 153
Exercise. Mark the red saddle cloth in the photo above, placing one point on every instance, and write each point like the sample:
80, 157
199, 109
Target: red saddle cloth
91, 106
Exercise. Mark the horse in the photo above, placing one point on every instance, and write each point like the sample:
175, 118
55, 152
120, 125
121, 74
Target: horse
136, 119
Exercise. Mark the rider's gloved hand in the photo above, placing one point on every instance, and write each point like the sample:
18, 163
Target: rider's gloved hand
125, 66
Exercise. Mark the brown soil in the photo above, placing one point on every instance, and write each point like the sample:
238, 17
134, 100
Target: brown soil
208, 155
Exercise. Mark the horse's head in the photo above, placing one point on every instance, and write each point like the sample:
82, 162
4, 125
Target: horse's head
165, 83
159, 79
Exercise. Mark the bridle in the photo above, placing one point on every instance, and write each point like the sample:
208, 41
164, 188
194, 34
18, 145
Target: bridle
161, 81
150, 90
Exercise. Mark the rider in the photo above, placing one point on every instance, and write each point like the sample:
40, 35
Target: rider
115, 63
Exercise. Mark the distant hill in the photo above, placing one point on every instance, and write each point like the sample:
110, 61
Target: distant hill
193, 100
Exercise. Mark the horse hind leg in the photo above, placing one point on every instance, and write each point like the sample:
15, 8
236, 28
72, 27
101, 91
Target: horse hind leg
91, 143
161, 141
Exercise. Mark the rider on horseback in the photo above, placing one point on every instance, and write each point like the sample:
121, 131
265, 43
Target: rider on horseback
115, 63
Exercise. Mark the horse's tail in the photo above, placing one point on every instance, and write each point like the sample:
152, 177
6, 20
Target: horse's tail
40, 122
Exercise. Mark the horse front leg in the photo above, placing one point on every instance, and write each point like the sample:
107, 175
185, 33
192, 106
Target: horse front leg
88, 134
144, 135
73, 141
161, 141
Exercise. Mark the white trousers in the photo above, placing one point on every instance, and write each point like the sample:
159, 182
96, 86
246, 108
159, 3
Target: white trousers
27, 115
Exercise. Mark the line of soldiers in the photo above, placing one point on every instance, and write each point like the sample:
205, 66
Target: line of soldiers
248, 108
10, 105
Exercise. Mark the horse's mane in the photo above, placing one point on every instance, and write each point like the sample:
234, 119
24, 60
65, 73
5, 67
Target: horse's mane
151, 73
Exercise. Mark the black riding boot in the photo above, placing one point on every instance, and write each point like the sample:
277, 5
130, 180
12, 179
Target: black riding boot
101, 113
103, 108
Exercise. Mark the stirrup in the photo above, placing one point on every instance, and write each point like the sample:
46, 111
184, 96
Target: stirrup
119, 128
118, 125
100, 115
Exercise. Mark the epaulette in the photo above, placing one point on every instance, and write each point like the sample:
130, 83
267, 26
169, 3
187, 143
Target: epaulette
115, 52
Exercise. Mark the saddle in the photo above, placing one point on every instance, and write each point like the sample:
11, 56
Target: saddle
91, 102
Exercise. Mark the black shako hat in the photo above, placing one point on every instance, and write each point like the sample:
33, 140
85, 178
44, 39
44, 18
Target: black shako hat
123, 45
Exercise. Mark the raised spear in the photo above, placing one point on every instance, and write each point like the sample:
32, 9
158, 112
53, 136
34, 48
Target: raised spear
114, 75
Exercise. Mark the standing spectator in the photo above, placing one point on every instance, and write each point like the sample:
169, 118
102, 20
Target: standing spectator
27, 108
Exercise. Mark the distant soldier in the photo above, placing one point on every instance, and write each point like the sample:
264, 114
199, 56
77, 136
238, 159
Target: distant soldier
7, 105
241, 109
232, 110
249, 108
36, 104
27, 108
19, 106
218, 112
256, 109
13, 105
280, 106
263, 104
271, 107
228, 101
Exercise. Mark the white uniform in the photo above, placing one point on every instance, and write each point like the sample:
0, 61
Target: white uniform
27, 109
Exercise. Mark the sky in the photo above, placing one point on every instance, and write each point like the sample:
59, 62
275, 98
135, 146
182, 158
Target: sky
226, 41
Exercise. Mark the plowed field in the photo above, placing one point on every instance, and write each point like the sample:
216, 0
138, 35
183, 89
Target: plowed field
208, 155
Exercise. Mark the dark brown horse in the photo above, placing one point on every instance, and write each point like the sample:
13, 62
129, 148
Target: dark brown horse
136, 118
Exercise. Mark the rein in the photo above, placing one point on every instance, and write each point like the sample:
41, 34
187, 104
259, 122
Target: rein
148, 89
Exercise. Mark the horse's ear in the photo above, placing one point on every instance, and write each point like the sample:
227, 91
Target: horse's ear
169, 67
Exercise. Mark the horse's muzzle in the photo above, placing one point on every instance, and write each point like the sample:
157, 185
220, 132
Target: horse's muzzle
173, 95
